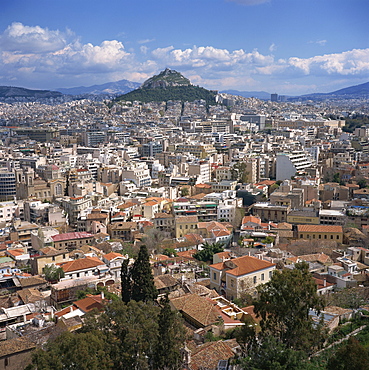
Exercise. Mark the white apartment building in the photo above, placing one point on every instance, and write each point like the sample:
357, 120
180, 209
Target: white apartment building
288, 164
138, 173
201, 170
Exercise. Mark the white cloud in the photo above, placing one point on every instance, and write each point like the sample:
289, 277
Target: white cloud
144, 49
146, 41
42, 58
23, 39
272, 47
318, 42
353, 62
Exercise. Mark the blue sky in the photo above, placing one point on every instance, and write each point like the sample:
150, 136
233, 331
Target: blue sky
286, 46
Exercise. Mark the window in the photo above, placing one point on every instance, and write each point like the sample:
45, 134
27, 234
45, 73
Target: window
255, 279
262, 277
214, 276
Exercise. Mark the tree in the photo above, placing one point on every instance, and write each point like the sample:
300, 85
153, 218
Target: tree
82, 351
206, 254
270, 354
142, 280
185, 191
170, 340
125, 278
284, 304
132, 333
351, 356
153, 239
53, 273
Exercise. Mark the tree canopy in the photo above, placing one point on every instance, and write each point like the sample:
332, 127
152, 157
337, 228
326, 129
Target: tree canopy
284, 304
206, 254
138, 282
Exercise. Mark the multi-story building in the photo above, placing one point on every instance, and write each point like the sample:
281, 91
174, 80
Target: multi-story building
138, 173
290, 164
236, 276
7, 185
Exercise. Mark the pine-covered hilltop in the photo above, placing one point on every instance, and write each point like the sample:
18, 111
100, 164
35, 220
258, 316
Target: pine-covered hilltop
168, 85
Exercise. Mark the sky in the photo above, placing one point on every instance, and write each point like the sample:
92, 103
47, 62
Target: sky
290, 47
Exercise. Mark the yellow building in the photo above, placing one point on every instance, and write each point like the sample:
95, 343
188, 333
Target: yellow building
320, 232
186, 225
303, 217
48, 256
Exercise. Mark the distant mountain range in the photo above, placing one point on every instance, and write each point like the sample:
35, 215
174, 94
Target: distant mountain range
113, 88
17, 92
168, 82
351, 91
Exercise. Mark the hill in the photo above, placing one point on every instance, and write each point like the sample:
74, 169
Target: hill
18, 92
114, 88
362, 89
168, 85
356, 91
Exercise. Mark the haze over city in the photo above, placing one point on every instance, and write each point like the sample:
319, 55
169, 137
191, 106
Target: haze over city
285, 46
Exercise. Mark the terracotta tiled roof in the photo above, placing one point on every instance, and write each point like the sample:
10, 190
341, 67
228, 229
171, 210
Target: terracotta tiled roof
31, 281
319, 228
110, 256
252, 219
71, 236
245, 265
209, 354
187, 254
89, 303
81, 264
15, 345
186, 219
165, 281
197, 308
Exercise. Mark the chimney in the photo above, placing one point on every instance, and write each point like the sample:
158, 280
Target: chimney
324, 282
102, 295
71, 309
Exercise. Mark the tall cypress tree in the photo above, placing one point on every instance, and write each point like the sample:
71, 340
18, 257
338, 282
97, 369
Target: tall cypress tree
143, 288
167, 354
125, 278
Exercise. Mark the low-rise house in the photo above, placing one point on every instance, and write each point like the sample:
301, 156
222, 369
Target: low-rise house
73, 240
123, 230
48, 256
88, 266
239, 275
114, 261
16, 353
320, 232
185, 225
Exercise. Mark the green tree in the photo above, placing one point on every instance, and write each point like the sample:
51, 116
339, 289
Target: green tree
209, 249
142, 280
132, 333
53, 273
270, 354
82, 351
351, 356
185, 191
170, 340
125, 278
284, 303
170, 252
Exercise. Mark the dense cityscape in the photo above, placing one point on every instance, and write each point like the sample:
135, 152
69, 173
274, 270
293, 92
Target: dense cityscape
184, 185
192, 212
